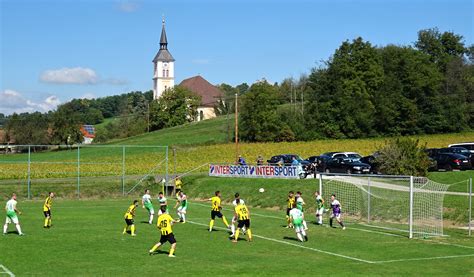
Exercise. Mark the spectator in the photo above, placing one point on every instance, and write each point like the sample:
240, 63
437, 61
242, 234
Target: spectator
295, 162
241, 161
260, 160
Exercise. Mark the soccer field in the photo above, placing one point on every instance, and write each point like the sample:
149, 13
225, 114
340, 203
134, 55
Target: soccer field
86, 239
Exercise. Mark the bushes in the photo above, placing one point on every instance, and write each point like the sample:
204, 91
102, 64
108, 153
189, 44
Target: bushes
403, 156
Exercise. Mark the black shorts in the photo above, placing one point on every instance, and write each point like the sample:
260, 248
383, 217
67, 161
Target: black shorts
288, 211
47, 213
170, 238
129, 221
216, 213
242, 223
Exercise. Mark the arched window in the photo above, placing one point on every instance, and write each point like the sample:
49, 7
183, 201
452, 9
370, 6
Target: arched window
164, 72
167, 73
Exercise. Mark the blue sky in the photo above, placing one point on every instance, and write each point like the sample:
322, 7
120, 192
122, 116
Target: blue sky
53, 51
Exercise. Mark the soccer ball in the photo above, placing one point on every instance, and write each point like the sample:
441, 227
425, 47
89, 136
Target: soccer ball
261, 189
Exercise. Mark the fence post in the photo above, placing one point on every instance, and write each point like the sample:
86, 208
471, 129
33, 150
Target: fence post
368, 200
29, 172
321, 184
78, 170
470, 206
123, 170
174, 169
411, 209
166, 176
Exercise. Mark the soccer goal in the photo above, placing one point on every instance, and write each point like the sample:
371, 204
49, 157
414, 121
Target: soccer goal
411, 205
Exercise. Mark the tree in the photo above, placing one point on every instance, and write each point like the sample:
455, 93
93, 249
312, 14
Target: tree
28, 128
66, 124
258, 117
176, 106
403, 156
340, 96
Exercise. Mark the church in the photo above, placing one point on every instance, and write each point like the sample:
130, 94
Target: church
163, 78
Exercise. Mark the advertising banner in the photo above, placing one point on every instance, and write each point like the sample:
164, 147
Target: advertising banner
253, 171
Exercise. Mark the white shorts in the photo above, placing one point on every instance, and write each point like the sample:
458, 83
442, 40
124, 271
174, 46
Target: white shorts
182, 209
299, 229
151, 211
320, 211
337, 216
13, 219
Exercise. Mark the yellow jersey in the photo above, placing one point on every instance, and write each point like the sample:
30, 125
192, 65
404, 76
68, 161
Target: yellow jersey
164, 223
178, 184
242, 212
47, 204
130, 212
216, 203
290, 202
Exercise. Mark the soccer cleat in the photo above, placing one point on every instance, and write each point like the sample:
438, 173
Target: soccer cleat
234, 241
21, 234
150, 252
134, 235
344, 228
305, 238
172, 256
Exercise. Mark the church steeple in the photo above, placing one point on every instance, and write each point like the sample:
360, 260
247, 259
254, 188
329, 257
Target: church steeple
163, 39
163, 67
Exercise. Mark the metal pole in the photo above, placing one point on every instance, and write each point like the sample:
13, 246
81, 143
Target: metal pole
470, 206
29, 172
368, 201
236, 128
123, 170
411, 208
321, 184
174, 169
166, 178
78, 170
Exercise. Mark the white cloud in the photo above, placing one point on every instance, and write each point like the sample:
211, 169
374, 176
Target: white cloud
13, 102
78, 76
75, 75
128, 6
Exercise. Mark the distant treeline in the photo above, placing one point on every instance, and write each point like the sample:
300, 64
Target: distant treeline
367, 91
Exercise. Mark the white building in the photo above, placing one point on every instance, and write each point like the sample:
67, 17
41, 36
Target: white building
163, 78
163, 67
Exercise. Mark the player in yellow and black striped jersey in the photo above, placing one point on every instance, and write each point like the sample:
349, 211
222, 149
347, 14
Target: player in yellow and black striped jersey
48, 202
216, 210
165, 221
243, 215
290, 204
129, 215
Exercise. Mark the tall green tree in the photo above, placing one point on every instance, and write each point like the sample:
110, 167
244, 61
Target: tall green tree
258, 117
176, 106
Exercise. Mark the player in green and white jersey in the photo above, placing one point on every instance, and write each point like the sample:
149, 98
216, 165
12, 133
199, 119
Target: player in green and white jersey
163, 203
319, 207
299, 205
297, 218
12, 217
183, 206
147, 204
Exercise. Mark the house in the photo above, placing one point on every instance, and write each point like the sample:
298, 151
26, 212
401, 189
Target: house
210, 95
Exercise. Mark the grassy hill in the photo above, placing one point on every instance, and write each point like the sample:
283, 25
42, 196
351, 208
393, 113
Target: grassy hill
213, 131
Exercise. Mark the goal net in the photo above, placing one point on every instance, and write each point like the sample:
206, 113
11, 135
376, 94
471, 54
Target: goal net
412, 205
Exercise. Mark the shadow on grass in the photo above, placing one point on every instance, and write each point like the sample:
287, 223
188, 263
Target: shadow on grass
291, 238
160, 252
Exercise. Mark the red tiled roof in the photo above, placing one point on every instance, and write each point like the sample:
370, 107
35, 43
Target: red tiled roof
209, 93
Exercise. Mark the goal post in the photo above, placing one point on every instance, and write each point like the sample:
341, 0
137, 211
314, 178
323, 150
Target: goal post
407, 204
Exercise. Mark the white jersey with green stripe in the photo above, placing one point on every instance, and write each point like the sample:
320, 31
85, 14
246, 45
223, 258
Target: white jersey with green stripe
10, 207
147, 201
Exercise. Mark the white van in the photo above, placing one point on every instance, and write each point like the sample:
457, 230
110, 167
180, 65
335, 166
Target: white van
468, 145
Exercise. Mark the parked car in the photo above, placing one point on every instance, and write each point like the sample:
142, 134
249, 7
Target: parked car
461, 151
288, 159
372, 161
468, 145
349, 166
317, 163
431, 152
348, 155
449, 161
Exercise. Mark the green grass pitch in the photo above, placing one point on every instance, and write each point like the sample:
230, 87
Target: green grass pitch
86, 239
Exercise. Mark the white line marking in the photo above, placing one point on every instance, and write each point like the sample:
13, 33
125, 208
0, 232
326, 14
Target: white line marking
296, 245
422, 259
5, 270
377, 232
